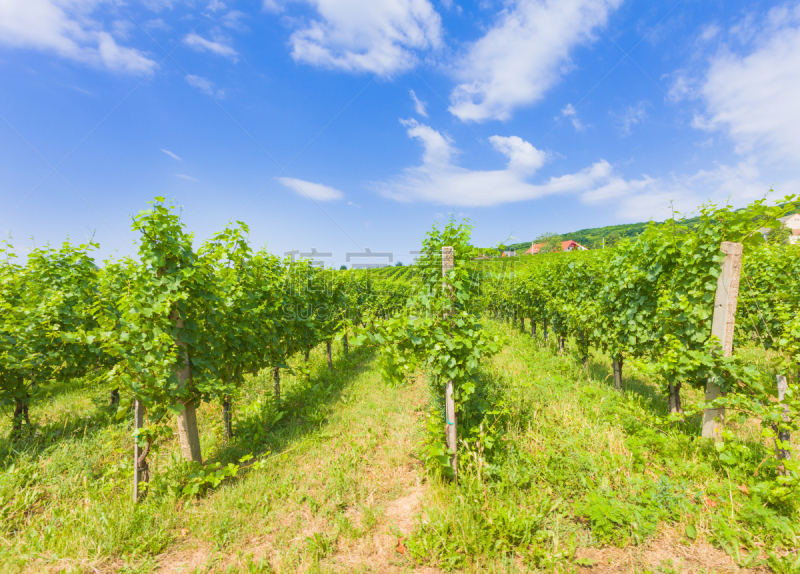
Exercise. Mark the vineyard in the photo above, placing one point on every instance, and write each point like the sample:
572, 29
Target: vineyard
213, 408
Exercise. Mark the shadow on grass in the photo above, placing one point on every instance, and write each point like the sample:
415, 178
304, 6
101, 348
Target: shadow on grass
305, 407
36, 439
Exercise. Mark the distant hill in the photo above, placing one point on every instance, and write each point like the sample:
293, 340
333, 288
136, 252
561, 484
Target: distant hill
593, 238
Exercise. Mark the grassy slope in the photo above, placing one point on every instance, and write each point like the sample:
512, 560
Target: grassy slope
580, 473
345, 488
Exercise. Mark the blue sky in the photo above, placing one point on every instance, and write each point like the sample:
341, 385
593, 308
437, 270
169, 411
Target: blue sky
342, 125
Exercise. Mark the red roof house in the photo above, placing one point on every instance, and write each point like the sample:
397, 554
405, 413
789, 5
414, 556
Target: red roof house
568, 245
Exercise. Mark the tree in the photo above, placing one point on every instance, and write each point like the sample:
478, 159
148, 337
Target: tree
612, 238
551, 242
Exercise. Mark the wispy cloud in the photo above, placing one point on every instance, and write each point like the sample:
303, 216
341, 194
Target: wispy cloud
205, 85
170, 154
200, 44
523, 55
71, 30
419, 106
186, 177
310, 190
440, 180
631, 116
570, 112
751, 93
379, 36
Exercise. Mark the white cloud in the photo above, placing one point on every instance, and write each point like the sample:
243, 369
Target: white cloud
205, 85
570, 112
307, 189
200, 44
170, 154
216, 6
233, 20
186, 177
158, 5
753, 96
631, 116
649, 197
439, 180
419, 106
377, 36
523, 55
67, 27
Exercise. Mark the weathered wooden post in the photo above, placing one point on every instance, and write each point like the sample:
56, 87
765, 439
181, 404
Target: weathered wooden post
561, 344
448, 263
140, 473
616, 365
276, 384
227, 416
522, 323
533, 328
722, 326
330, 356
187, 420
783, 436
345, 345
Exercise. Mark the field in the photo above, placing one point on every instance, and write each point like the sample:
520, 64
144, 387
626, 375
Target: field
579, 481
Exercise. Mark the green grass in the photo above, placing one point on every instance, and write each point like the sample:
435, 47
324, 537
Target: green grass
332, 463
580, 474
582, 466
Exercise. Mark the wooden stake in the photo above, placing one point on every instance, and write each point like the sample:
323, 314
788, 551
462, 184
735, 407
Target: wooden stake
722, 326
560, 345
448, 263
783, 436
138, 474
187, 420
345, 344
675, 406
533, 328
330, 357
227, 416
616, 365
522, 324
276, 384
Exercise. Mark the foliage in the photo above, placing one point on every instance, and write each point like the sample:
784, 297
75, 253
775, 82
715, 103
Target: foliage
439, 331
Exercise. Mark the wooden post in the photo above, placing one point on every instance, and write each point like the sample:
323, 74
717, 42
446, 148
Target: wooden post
138, 474
533, 328
345, 344
560, 344
616, 365
783, 436
448, 263
187, 420
276, 384
675, 406
522, 323
227, 416
330, 357
722, 326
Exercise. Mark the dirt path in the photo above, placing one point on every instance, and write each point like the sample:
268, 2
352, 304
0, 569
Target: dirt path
342, 502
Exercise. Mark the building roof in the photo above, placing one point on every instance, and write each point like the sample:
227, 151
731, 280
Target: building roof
565, 245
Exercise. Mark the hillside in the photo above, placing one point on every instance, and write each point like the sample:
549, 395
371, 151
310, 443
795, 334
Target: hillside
593, 237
